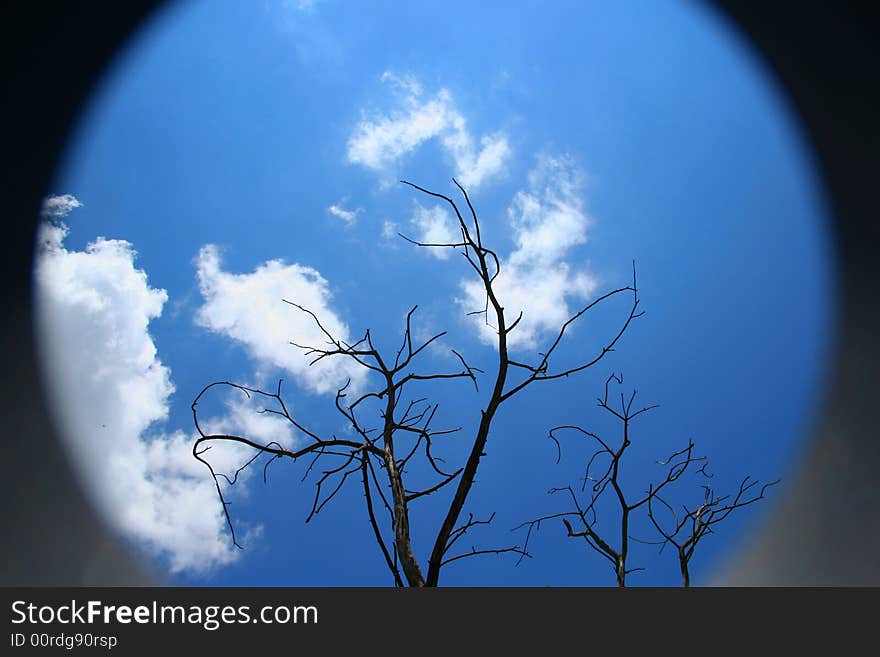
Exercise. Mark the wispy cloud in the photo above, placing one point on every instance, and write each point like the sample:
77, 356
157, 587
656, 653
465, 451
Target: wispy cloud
250, 309
547, 220
379, 142
300, 5
313, 36
434, 225
109, 387
389, 230
348, 216
56, 207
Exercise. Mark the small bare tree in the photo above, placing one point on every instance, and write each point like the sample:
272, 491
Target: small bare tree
692, 525
686, 530
378, 456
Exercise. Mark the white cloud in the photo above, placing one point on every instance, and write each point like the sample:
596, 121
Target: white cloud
547, 220
301, 5
249, 308
108, 386
476, 166
173, 453
348, 216
389, 230
56, 207
406, 82
379, 143
434, 225
244, 417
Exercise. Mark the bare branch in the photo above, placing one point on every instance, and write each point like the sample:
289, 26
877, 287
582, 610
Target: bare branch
412, 495
392, 565
433, 244
474, 552
460, 531
535, 525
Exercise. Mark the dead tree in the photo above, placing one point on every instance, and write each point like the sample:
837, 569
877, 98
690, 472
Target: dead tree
377, 456
694, 524
615, 549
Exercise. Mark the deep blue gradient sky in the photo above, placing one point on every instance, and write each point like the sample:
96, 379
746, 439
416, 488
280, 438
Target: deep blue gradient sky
229, 123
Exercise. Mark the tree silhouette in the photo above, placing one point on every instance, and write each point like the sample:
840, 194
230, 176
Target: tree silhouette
378, 456
689, 528
686, 529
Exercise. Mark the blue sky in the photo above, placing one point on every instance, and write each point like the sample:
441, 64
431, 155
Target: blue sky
238, 153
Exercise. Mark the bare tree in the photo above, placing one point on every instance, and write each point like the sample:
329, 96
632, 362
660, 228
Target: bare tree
692, 525
584, 513
378, 456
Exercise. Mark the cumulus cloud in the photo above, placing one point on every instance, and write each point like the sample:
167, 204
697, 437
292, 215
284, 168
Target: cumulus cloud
56, 207
547, 220
109, 388
379, 142
348, 216
249, 308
